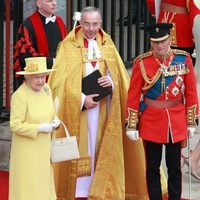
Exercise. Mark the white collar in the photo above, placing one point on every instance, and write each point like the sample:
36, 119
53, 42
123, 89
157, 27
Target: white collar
52, 18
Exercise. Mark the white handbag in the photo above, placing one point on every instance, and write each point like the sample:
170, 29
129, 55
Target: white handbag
63, 149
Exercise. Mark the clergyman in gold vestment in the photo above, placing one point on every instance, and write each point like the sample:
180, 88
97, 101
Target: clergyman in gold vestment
99, 174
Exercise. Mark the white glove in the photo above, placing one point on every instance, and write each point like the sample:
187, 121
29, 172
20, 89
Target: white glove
133, 134
191, 131
46, 127
55, 123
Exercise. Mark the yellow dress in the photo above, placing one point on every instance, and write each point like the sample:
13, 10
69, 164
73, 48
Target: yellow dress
31, 174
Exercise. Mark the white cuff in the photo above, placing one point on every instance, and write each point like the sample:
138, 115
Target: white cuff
191, 131
82, 100
133, 134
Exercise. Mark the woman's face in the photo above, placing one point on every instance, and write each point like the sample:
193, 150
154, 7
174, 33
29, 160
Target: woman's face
160, 48
37, 81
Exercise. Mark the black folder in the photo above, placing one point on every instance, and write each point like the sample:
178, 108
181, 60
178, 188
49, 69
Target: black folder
91, 86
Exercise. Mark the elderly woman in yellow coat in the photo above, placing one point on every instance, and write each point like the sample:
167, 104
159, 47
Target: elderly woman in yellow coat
32, 120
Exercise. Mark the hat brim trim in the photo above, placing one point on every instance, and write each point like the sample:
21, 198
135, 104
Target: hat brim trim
159, 39
37, 72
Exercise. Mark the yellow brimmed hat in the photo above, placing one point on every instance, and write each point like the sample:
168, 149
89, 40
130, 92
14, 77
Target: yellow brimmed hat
35, 65
159, 32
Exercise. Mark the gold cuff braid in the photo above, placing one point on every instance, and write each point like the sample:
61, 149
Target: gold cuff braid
191, 115
132, 119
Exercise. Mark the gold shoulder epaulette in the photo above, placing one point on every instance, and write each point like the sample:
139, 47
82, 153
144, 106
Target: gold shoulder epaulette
182, 52
144, 55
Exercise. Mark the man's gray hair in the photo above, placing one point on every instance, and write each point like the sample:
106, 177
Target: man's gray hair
91, 9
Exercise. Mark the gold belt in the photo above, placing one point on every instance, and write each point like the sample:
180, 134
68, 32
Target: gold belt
174, 9
163, 104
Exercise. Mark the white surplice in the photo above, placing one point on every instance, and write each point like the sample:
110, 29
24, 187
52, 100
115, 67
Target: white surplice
83, 183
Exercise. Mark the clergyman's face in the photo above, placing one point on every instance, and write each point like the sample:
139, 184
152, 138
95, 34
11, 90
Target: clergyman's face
47, 7
90, 23
161, 47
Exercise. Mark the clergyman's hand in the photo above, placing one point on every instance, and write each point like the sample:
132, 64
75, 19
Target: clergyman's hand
89, 102
105, 81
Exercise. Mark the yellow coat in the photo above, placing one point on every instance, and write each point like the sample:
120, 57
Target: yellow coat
31, 174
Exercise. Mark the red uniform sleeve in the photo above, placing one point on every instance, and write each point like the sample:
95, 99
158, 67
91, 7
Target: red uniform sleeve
135, 89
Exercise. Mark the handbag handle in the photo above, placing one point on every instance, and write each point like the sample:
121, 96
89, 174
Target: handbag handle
56, 103
66, 132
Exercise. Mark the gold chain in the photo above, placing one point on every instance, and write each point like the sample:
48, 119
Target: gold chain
163, 68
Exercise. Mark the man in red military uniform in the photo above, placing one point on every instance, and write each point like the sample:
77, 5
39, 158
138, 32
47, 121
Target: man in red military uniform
177, 13
162, 107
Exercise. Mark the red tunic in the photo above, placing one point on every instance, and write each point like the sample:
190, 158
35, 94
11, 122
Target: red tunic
155, 123
183, 36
